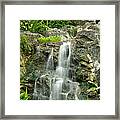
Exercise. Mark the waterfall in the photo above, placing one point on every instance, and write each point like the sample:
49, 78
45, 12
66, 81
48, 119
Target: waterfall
62, 70
35, 95
50, 62
56, 90
38, 93
58, 83
64, 60
50, 67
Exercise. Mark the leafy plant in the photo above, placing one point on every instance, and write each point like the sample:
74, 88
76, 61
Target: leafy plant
37, 26
49, 39
31, 58
24, 44
40, 26
24, 95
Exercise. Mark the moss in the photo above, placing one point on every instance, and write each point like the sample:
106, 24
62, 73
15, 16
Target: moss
49, 39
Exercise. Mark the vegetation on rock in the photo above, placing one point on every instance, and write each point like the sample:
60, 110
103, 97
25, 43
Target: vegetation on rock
37, 37
49, 39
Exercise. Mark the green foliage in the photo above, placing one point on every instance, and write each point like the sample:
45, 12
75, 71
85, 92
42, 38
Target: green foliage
37, 26
58, 23
30, 61
40, 26
25, 45
24, 95
49, 39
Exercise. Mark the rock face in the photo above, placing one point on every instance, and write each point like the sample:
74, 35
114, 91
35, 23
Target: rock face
86, 59
84, 63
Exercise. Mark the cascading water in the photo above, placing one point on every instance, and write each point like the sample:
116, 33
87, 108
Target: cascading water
58, 83
64, 60
39, 92
62, 71
50, 67
35, 95
50, 62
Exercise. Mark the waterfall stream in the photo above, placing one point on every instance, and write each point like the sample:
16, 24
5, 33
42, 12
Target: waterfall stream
62, 70
59, 78
50, 62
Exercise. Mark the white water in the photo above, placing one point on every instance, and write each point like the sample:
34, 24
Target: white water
56, 90
50, 62
59, 77
62, 71
49, 71
63, 60
35, 95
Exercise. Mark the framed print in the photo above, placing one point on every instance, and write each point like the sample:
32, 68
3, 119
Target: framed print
60, 59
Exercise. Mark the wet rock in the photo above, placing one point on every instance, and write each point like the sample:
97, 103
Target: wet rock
84, 62
42, 88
